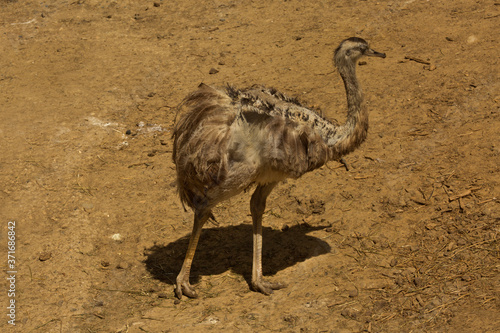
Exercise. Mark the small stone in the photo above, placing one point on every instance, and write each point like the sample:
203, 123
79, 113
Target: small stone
123, 265
353, 292
418, 281
430, 226
410, 270
163, 295
128, 132
349, 313
213, 71
430, 67
87, 205
44, 256
471, 39
105, 263
117, 237
177, 301
399, 281
393, 262
156, 4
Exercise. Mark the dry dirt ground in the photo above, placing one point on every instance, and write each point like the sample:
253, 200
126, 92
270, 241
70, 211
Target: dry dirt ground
405, 241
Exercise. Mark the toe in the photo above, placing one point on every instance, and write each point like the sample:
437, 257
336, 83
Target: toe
178, 292
267, 287
184, 288
189, 291
274, 285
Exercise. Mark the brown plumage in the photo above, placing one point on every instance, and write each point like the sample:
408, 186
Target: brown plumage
228, 139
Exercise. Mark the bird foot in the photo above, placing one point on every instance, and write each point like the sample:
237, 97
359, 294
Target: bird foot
267, 287
184, 288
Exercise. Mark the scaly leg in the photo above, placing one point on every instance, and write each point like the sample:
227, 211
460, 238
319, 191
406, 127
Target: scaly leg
257, 207
183, 286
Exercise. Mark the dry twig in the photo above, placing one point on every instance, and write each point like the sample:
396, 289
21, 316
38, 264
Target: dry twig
417, 60
463, 194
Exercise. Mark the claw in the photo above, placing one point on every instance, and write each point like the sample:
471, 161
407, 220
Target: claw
185, 288
266, 287
178, 292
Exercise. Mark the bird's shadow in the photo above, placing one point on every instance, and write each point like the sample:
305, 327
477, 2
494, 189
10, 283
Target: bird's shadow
230, 248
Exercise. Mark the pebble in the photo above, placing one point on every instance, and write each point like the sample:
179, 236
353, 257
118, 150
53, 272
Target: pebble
471, 39
44, 256
87, 205
117, 237
349, 313
409, 270
399, 281
430, 67
123, 265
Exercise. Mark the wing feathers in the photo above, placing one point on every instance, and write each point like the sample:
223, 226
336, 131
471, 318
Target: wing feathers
226, 132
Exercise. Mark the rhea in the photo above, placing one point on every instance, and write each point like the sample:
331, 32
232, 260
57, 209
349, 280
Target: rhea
229, 139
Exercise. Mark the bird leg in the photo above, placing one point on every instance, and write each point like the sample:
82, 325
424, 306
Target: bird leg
257, 207
182, 282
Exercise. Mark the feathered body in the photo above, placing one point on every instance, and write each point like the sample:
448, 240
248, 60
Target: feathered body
229, 139
232, 138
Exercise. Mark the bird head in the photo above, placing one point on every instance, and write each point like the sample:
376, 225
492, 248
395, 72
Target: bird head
351, 49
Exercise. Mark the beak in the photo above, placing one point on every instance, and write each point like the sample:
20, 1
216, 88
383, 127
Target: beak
372, 53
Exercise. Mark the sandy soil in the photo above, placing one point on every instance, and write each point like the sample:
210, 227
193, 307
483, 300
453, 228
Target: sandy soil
405, 241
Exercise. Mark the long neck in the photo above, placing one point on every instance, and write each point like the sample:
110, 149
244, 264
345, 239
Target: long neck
350, 135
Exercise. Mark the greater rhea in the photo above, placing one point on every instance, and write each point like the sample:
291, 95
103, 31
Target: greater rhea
229, 139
